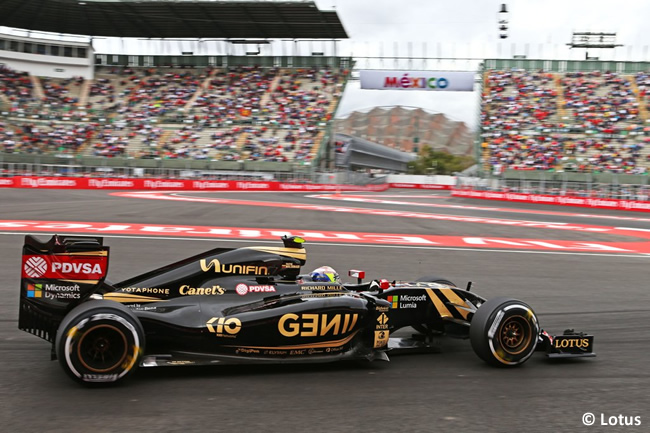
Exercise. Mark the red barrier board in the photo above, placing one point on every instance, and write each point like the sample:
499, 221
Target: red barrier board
597, 203
173, 184
420, 186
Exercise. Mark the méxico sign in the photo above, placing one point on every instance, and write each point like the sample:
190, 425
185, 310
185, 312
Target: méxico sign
418, 80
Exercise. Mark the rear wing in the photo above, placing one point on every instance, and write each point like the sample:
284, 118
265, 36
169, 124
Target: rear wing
57, 275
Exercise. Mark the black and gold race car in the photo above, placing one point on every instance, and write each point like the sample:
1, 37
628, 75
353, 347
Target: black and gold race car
251, 305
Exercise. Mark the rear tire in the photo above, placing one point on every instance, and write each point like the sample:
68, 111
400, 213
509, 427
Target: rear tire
504, 332
99, 342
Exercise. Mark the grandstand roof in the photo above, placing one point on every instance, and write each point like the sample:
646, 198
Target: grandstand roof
174, 19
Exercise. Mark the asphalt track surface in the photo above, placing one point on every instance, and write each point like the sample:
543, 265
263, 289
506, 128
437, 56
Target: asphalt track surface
604, 294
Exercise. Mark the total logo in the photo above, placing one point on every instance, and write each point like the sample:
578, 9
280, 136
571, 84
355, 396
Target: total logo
243, 289
64, 267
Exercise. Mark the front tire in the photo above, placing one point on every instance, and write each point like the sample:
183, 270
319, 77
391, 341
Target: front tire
504, 332
99, 342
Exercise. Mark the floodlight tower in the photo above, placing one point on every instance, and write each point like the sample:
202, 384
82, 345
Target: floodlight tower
503, 21
593, 40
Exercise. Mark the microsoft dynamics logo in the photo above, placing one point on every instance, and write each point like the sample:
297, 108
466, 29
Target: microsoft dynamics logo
34, 290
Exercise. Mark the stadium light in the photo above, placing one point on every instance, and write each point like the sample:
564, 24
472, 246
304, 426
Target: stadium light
593, 40
503, 21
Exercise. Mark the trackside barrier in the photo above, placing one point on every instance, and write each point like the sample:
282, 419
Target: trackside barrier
597, 203
173, 185
420, 186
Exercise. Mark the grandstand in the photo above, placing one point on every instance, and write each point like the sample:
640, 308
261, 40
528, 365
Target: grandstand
572, 117
61, 98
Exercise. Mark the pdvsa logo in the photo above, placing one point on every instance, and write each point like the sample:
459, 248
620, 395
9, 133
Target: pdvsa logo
35, 267
243, 289
64, 267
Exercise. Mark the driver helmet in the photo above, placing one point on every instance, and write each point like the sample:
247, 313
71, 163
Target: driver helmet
325, 274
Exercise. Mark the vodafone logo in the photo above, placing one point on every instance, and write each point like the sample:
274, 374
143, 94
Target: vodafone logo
241, 289
35, 267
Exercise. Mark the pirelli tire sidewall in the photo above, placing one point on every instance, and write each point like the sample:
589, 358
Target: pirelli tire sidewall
99, 342
504, 332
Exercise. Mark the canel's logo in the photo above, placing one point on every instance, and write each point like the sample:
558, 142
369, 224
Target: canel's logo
232, 269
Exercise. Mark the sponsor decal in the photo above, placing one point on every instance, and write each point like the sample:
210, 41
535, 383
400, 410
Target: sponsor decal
320, 287
155, 184
56, 291
232, 269
64, 267
253, 185
222, 327
140, 307
38, 182
210, 185
110, 183
35, 267
316, 325
406, 301
562, 342
243, 289
34, 290
290, 266
381, 339
147, 290
382, 322
382, 309
186, 290
6, 182
247, 351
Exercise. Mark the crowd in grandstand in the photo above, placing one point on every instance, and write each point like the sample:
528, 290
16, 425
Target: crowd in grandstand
584, 122
253, 113
534, 120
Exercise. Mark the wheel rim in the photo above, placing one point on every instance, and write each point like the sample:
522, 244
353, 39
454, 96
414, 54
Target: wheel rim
515, 334
102, 348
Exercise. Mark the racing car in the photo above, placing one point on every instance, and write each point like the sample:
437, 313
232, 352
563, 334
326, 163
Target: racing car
253, 305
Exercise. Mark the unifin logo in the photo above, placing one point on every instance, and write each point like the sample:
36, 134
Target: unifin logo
232, 269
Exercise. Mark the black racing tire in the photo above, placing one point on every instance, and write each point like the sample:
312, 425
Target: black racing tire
434, 279
504, 332
99, 342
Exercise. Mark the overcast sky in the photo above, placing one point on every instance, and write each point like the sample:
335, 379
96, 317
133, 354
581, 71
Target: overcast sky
468, 28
